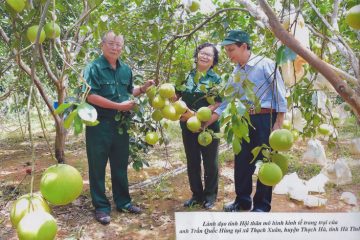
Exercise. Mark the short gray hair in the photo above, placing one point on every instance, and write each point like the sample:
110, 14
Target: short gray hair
103, 38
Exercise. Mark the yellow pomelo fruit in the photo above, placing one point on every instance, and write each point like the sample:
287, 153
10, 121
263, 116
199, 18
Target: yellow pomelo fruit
151, 92
195, 5
204, 139
158, 102
169, 112
353, 17
180, 107
151, 138
157, 115
32, 32
37, 225
52, 30
286, 125
193, 124
204, 114
325, 129
26, 204
167, 90
17, 5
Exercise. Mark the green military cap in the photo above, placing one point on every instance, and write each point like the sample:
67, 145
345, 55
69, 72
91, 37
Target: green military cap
235, 36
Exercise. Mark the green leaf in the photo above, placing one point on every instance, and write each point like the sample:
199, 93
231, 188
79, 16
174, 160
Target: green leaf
137, 165
236, 146
70, 118
284, 54
181, 88
91, 124
255, 152
241, 108
230, 135
236, 77
266, 153
228, 91
87, 112
60, 109
210, 100
78, 125
217, 135
117, 116
203, 88
224, 120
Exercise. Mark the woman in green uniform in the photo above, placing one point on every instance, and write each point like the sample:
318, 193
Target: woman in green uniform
206, 57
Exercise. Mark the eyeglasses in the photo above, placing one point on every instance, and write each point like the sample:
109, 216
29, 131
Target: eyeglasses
205, 54
112, 44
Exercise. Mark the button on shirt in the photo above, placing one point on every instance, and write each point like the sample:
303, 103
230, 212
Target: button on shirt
260, 71
113, 84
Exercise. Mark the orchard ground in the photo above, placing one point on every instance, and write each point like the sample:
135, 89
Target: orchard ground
161, 198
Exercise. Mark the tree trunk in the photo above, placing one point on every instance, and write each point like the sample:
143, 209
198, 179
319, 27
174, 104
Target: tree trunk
60, 142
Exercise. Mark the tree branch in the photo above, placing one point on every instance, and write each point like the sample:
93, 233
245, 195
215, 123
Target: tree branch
47, 67
334, 22
350, 54
5, 95
255, 11
175, 37
346, 92
82, 17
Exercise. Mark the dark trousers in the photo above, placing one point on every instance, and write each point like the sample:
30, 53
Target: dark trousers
244, 169
209, 155
103, 143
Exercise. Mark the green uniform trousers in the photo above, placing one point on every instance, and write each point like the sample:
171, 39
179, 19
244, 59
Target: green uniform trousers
209, 154
103, 143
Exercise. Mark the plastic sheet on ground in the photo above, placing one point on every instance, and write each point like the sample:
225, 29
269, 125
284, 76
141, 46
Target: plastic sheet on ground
313, 201
338, 173
315, 152
291, 184
299, 189
317, 183
349, 198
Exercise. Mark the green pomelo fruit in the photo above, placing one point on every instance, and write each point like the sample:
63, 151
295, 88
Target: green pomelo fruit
204, 114
270, 174
32, 32
193, 124
281, 140
61, 184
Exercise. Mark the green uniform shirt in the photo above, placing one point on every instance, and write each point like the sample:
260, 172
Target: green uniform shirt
195, 98
113, 84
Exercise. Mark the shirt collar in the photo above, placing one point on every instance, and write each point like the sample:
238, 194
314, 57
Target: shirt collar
253, 60
209, 72
105, 64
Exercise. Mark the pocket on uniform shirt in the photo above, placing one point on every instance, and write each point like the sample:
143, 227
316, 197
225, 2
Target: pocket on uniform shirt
125, 81
108, 89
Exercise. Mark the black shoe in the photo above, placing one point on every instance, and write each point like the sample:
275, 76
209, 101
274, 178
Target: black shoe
102, 217
235, 207
191, 202
257, 210
209, 205
129, 208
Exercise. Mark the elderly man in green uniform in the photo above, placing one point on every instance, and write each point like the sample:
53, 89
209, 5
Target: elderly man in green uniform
111, 85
